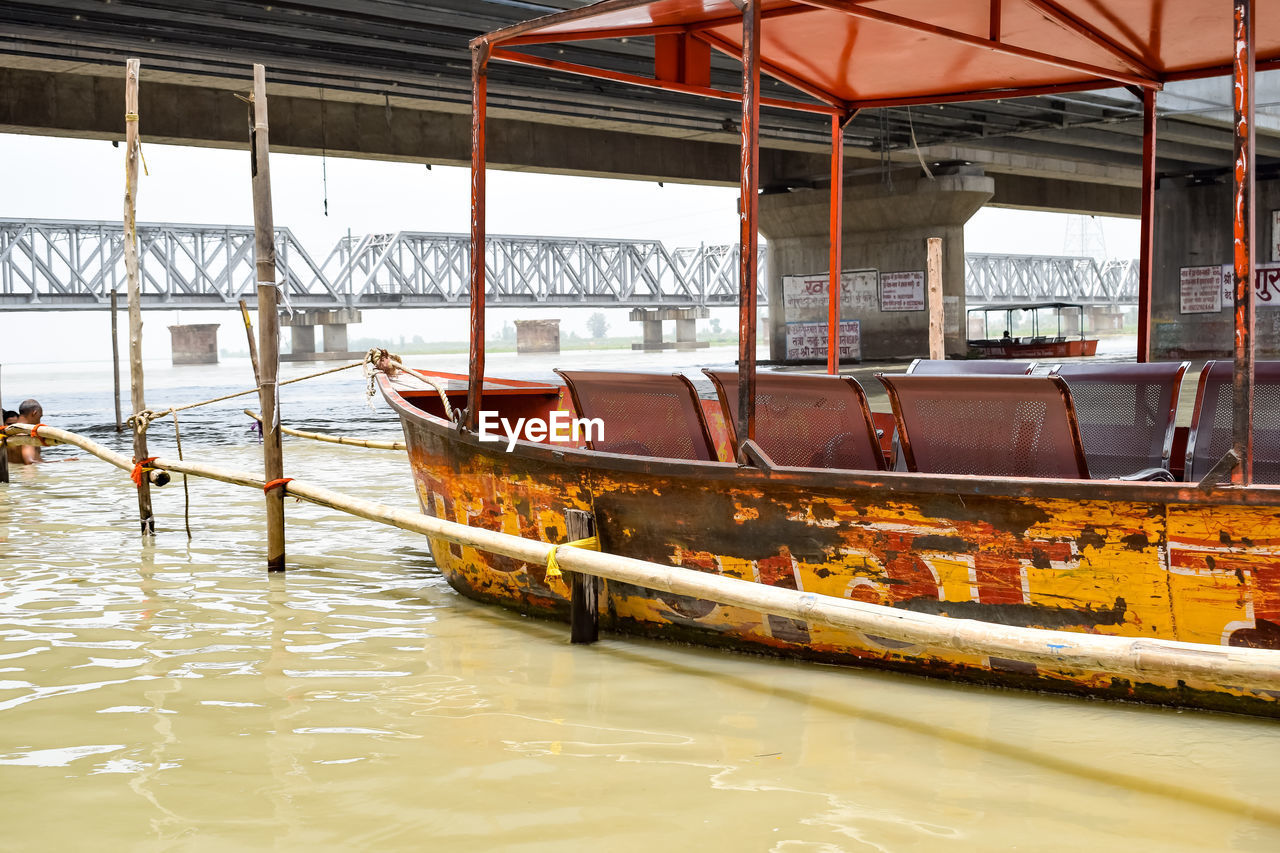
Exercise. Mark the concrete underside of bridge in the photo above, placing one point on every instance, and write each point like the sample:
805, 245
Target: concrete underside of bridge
71, 99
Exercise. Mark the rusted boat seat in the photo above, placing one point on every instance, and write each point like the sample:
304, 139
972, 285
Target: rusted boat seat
644, 414
960, 366
1210, 435
1125, 413
807, 420
998, 426
957, 367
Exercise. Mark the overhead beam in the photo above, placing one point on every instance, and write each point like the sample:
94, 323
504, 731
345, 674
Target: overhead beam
83, 105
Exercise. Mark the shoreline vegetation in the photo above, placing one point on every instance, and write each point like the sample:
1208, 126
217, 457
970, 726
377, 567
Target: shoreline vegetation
571, 341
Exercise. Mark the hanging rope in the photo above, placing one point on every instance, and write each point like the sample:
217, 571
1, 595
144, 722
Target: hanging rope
186, 494
146, 416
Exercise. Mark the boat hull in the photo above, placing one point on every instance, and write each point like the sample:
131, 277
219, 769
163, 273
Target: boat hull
1060, 349
1136, 560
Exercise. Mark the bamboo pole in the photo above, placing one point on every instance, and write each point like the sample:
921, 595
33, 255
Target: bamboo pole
1167, 660
138, 398
268, 323
115, 357
253, 345
937, 332
372, 443
20, 435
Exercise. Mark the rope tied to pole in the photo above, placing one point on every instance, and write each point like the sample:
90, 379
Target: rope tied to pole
33, 432
276, 484
591, 543
140, 469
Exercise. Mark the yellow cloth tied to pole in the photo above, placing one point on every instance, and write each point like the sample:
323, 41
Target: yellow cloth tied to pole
591, 543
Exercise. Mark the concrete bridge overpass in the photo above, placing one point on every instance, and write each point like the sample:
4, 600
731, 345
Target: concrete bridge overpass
389, 79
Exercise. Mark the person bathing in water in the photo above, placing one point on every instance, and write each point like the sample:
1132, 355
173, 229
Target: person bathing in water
29, 412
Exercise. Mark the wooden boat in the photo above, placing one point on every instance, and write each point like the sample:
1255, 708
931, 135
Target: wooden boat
1194, 562
1035, 345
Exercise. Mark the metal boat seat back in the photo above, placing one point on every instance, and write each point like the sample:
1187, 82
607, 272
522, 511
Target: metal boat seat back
806, 420
964, 366
957, 367
1125, 412
995, 426
644, 414
1210, 435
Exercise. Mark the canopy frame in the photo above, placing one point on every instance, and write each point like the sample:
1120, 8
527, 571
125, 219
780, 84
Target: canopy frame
1139, 76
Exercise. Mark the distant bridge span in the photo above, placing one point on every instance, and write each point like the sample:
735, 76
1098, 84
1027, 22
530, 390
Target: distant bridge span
50, 265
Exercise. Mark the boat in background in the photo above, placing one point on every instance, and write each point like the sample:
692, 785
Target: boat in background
1035, 345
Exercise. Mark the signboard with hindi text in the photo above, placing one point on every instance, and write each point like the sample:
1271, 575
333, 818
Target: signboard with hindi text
808, 341
902, 291
804, 297
1200, 290
1266, 285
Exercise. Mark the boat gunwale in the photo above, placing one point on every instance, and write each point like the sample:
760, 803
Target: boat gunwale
958, 486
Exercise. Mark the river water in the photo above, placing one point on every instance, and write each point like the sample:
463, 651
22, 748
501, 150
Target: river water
171, 695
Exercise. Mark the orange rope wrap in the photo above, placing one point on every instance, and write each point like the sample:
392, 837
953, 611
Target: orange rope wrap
139, 468
275, 484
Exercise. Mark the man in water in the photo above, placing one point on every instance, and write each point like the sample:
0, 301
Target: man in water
10, 417
29, 412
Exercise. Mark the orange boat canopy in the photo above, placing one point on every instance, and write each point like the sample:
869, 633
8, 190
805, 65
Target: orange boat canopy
851, 54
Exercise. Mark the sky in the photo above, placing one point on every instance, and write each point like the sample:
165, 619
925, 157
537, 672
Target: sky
56, 178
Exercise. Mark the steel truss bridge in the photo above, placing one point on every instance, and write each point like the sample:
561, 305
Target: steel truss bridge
52, 266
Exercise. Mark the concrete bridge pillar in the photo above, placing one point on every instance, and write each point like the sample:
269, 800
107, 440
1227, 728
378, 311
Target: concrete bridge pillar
302, 329
194, 344
1192, 304
537, 336
686, 327
303, 339
884, 232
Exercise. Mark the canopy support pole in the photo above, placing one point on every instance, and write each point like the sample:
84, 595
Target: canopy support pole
479, 95
1243, 68
748, 238
1147, 239
837, 228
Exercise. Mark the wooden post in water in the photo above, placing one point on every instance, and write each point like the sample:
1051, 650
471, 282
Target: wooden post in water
253, 346
115, 356
937, 311
268, 325
584, 604
138, 398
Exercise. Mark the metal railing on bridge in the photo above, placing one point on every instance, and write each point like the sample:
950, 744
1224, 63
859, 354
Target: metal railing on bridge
1005, 279
50, 265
